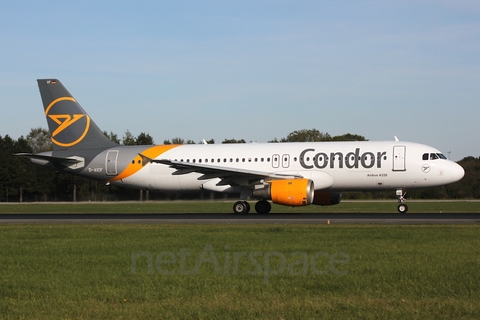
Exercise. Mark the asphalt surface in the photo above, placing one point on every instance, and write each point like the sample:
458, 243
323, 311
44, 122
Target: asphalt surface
317, 218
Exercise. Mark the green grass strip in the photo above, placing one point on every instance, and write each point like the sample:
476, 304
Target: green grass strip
226, 207
135, 271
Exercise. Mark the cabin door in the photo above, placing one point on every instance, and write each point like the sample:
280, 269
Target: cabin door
399, 158
111, 162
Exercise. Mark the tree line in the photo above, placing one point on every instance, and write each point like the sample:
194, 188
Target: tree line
21, 181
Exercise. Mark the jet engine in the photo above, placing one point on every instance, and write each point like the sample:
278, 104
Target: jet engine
327, 198
294, 192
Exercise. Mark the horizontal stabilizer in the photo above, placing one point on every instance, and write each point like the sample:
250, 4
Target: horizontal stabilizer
48, 158
71, 162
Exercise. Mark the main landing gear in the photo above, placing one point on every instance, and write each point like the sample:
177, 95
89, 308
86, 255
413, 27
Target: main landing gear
402, 207
243, 207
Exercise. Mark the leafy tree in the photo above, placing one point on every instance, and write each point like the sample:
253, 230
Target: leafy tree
23, 176
469, 186
15, 173
307, 135
39, 140
144, 139
178, 140
349, 137
112, 136
313, 135
6, 149
233, 141
128, 139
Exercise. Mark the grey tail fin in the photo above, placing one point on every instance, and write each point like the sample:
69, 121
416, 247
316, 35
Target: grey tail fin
70, 126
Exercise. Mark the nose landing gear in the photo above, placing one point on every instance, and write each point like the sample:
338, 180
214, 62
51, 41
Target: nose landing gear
402, 207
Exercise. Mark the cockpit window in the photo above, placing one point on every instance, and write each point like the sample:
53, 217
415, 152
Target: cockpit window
433, 156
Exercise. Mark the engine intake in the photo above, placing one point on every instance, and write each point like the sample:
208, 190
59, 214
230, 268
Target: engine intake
293, 192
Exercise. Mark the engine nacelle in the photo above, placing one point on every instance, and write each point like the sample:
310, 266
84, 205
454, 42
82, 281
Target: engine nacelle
327, 198
294, 192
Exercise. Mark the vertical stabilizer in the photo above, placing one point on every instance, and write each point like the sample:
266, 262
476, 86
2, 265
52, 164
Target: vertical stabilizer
70, 126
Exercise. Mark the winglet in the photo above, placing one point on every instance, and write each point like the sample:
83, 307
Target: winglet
396, 139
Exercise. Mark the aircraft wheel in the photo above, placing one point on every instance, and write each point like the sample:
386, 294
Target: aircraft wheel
402, 208
263, 206
241, 207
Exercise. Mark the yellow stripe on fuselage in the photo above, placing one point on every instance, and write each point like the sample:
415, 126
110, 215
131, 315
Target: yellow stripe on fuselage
136, 164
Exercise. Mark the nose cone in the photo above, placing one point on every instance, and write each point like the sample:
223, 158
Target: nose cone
457, 172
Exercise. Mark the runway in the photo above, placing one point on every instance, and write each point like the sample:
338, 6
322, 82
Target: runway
316, 218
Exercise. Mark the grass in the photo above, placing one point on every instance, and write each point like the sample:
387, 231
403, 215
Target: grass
239, 271
226, 207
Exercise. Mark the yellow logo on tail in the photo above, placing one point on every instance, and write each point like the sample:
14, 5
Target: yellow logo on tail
67, 121
64, 121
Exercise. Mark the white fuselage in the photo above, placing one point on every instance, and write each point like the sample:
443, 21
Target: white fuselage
338, 166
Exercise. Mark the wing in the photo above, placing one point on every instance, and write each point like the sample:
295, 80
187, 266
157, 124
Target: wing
229, 175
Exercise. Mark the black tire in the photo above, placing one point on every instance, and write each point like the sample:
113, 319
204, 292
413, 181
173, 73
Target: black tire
263, 207
241, 207
402, 208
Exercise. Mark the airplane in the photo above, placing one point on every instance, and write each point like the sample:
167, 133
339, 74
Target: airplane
289, 174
